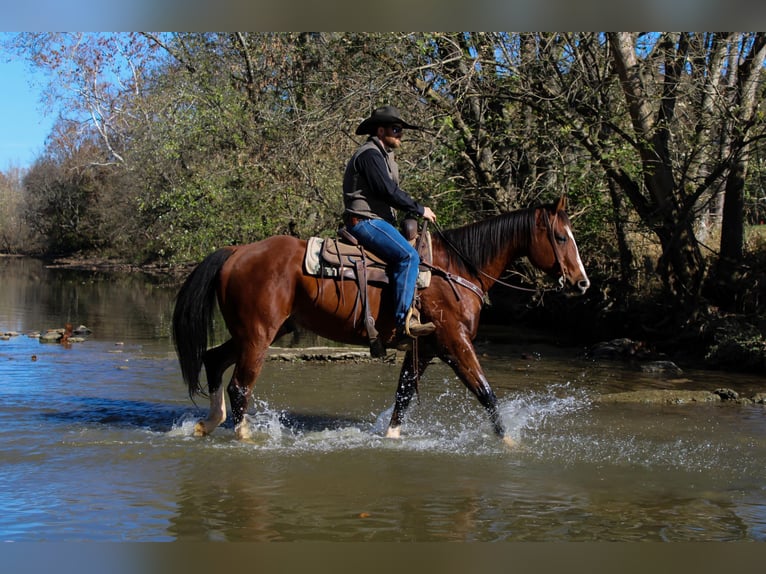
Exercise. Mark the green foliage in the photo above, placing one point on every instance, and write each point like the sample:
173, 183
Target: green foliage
216, 138
736, 344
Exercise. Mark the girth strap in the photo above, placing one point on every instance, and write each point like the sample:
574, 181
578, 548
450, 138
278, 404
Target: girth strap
360, 265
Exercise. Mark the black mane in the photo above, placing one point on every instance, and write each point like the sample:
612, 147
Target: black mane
475, 245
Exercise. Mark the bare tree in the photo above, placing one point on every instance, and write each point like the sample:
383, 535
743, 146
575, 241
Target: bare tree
676, 95
748, 53
14, 233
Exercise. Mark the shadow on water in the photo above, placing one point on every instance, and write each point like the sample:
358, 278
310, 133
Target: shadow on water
120, 413
162, 418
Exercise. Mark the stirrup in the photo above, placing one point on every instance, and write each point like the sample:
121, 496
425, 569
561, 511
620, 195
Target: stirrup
414, 328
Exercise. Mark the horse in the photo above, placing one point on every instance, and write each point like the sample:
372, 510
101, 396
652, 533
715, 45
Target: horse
263, 292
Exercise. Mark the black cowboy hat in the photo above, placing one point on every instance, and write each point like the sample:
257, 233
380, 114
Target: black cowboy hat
383, 116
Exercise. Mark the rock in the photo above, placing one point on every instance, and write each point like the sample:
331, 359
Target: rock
661, 397
662, 367
673, 397
53, 336
63, 335
727, 394
618, 349
321, 354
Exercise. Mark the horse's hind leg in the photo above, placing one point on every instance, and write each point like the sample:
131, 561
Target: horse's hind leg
216, 414
408, 381
249, 365
216, 361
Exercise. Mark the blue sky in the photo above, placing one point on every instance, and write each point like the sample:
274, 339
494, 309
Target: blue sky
24, 124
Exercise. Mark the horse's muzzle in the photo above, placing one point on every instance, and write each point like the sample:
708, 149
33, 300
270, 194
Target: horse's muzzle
582, 286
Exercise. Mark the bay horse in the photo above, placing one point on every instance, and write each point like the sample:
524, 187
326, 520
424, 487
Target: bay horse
262, 289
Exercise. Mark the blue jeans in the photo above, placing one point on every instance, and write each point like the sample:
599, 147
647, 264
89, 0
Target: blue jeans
386, 242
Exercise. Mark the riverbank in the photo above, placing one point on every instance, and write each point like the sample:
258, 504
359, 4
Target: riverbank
178, 272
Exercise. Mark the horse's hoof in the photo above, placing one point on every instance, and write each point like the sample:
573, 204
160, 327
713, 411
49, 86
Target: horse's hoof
509, 442
394, 432
200, 429
243, 433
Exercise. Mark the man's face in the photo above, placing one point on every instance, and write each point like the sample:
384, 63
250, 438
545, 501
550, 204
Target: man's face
391, 136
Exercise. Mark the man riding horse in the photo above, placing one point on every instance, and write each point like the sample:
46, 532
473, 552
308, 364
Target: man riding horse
371, 194
262, 289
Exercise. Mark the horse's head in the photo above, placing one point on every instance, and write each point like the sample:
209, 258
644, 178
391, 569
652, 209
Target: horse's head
553, 248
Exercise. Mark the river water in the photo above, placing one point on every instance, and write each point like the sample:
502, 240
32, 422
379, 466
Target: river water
96, 440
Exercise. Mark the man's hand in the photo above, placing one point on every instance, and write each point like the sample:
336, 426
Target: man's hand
429, 215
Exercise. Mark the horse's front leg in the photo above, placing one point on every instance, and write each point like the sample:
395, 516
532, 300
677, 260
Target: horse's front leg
408, 381
458, 352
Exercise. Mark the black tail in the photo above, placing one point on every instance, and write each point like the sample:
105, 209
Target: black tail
193, 316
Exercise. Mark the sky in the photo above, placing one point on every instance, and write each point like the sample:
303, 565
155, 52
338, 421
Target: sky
24, 123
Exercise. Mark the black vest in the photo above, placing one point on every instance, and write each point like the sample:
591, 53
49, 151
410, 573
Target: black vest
358, 198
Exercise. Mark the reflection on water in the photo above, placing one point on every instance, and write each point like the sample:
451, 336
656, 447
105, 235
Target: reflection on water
96, 442
114, 306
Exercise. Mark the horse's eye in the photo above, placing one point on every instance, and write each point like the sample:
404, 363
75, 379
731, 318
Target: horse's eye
560, 238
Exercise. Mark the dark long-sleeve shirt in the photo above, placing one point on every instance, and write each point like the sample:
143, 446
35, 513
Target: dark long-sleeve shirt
371, 184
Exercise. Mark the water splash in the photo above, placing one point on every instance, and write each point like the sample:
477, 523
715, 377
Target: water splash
184, 426
447, 421
529, 413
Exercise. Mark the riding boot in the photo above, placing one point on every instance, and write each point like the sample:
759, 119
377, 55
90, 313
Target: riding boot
406, 334
414, 328
377, 349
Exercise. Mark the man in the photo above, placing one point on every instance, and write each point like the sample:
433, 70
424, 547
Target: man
371, 194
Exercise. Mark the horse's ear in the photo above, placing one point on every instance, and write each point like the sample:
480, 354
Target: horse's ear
562, 203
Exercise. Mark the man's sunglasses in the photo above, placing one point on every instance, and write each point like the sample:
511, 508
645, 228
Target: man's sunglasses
397, 130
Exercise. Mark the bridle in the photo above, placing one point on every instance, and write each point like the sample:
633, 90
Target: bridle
555, 246
479, 291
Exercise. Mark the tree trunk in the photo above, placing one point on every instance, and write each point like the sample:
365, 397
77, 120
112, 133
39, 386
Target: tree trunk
627, 273
746, 101
681, 265
733, 224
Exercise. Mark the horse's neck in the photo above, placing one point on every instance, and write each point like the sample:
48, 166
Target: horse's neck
492, 269
496, 266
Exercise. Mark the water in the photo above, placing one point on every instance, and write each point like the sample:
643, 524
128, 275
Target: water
96, 441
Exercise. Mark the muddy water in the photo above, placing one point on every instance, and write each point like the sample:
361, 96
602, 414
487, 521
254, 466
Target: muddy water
96, 445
